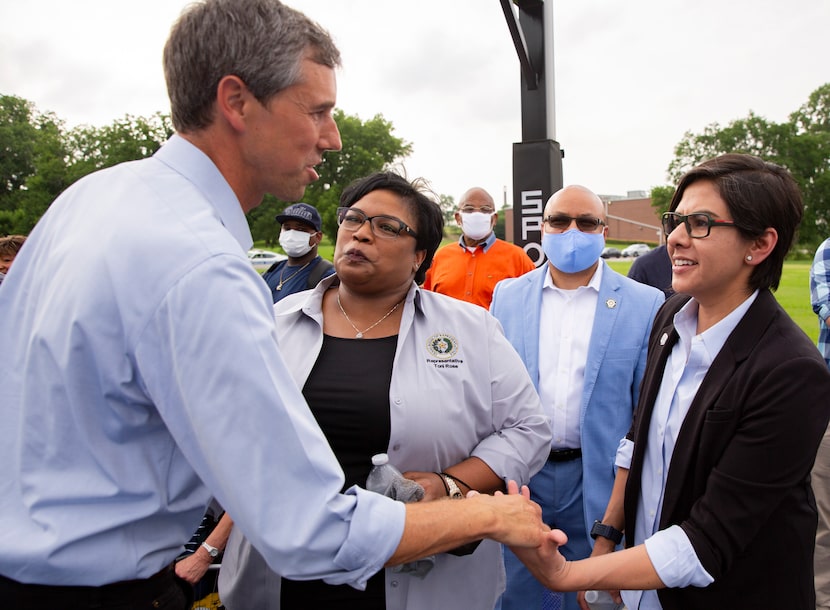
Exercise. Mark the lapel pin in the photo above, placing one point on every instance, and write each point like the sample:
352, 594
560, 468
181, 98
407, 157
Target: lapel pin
664, 338
610, 303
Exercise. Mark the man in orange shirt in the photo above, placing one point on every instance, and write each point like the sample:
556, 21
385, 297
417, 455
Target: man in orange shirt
470, 269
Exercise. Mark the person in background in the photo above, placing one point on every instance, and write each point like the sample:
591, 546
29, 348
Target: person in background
582, 331
387, 367
300, 234
141, 373
9, 247
713, 485
820, 300
470, 269
653, 268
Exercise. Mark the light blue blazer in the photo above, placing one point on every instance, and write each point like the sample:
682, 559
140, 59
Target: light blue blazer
616, 362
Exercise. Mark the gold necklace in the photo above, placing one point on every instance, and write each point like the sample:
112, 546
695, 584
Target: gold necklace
360, 333
290, 277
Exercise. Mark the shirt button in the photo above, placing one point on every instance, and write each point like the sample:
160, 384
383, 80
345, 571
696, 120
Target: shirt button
394, 583
396, 447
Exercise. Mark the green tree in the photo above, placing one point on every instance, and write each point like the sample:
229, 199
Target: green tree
40, 158
808, 158
661, 198
127, 139
32, 163
801, 144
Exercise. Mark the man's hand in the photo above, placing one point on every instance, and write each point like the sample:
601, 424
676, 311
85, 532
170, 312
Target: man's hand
437, 527
193, 567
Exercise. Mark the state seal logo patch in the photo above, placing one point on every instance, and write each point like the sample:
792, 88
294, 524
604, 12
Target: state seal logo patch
442, 346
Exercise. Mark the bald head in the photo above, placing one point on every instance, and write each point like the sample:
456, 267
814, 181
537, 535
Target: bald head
476, 197
575, 201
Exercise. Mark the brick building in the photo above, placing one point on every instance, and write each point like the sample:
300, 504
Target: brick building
632, 219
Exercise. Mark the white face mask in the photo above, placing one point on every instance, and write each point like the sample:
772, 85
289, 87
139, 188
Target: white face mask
476, 225
295, 243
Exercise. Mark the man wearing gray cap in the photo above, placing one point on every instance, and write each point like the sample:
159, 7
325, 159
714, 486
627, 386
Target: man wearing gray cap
300, 235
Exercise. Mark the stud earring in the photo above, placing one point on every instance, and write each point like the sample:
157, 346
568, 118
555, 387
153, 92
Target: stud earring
749, 258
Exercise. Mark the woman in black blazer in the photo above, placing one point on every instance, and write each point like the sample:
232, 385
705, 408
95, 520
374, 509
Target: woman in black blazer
713, 489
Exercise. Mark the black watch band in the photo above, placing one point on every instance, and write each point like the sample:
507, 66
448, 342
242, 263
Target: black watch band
606, 531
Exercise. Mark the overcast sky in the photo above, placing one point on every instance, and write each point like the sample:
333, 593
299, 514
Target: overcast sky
632, 76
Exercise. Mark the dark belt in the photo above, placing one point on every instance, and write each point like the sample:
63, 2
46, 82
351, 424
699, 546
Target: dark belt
158, 587
564, 455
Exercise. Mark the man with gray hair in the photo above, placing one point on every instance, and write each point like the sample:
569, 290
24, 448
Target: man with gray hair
141, 374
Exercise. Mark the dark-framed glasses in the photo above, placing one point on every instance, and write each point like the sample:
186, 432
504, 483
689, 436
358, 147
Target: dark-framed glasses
388, 227
561, 222
698, 225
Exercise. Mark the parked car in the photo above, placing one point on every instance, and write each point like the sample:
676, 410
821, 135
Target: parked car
635, 250
609, 252
262, 259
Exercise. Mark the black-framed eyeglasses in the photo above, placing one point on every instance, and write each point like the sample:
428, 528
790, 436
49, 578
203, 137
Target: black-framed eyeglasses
388, 227
698, 225
561, 222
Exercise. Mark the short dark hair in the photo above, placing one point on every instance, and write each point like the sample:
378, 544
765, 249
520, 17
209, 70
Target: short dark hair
759, 195
10, 244
420, 199
263, 42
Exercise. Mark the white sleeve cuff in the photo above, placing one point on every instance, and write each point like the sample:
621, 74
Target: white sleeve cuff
675, 560
624, 453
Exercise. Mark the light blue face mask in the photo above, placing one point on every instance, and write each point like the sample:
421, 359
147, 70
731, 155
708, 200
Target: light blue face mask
573, 251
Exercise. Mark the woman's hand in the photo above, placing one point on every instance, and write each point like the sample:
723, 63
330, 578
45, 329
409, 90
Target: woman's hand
432, 483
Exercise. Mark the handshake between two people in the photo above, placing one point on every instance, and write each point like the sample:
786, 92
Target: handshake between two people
512, 519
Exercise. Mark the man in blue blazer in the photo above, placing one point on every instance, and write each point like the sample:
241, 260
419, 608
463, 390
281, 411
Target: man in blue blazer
582, 330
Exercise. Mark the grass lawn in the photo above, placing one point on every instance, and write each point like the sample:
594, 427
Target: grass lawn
793, 293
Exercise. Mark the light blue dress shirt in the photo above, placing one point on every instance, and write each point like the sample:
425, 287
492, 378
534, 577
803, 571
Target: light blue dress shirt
670, 550
141, 374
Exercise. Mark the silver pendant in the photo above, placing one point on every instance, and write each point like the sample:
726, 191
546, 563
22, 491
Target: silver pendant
279, 286
359, 336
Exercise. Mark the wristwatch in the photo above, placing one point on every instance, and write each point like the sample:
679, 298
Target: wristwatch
453, 491
606, 531
212, 550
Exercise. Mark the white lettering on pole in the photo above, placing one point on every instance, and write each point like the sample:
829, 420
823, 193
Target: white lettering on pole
531, 212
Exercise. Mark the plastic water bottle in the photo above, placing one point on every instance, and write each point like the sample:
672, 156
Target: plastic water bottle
602, 600
385, 479
383, 475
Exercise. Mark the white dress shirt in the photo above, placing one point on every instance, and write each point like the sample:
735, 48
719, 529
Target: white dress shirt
670, 550
566, 324
141, 374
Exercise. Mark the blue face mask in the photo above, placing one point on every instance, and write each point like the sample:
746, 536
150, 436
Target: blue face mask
573, 251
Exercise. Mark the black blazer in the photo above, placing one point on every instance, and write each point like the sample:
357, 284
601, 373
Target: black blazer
738, 482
